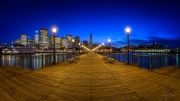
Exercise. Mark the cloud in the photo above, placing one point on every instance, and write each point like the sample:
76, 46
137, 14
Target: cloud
113, 38
138, 41
134, 35
169, 43
118, 43
152, 33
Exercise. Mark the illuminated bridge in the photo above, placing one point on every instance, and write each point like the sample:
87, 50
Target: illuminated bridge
91, 78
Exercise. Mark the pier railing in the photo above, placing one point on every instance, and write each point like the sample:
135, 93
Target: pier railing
33, 61
148, 60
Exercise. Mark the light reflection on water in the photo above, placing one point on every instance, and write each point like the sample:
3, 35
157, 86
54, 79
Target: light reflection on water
33, 61
143, 60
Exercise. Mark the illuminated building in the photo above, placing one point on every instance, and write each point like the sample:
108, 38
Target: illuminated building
44, 39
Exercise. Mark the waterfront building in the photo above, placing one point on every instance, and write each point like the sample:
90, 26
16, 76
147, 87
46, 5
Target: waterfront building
44, 38
69, 40
23, 39
77, 41
85, 43
146, 48
32, 42
28, 42
64, 42
17, 42
57, 42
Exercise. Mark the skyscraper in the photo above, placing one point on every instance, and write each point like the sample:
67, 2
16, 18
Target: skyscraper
44, 39
23, 39
90, 42
36, 37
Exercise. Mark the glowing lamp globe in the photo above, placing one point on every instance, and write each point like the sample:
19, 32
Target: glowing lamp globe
72, 40
54, 30
128, 30
109, 40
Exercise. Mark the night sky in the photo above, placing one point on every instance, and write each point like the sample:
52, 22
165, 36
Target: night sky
150, 20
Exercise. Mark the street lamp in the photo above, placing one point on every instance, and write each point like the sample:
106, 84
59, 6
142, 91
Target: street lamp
82, 48
79, 47
73, 45
98, 48
109, 45
128, 32
103, 47
54, 32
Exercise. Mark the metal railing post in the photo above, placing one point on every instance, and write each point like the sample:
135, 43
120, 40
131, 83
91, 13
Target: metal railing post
140, 60
15, 60
160, 61
31, 63
166, 60
150, 62
132, 59
49, 62
63, 55
58, 56
22, 61
42, 60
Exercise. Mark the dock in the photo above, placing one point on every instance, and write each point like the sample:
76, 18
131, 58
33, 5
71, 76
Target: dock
91, 78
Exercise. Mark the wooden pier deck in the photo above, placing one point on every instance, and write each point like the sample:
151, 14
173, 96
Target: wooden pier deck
90, 79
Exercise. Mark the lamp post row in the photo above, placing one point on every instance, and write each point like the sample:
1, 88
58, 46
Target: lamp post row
54, 30
127, 32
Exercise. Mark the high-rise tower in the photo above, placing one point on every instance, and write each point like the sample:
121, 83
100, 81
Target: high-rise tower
23, 39
44, 39
36, 37
90, 41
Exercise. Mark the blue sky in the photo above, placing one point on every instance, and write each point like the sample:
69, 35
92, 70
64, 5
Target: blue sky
150, 20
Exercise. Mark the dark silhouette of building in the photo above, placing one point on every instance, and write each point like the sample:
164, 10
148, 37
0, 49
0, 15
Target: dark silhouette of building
85, 43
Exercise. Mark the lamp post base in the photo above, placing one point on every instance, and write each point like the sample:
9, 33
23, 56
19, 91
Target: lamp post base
127, 63
54, 63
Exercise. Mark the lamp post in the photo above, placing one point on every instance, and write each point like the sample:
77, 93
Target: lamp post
98, 48
128, 32
73, 45
54, 32
103, 47
82, 48
79, 47
109, 45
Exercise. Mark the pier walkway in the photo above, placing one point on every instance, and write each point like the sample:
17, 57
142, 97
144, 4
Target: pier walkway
90, 79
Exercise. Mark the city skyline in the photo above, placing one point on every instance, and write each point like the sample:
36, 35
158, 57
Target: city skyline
150, 21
